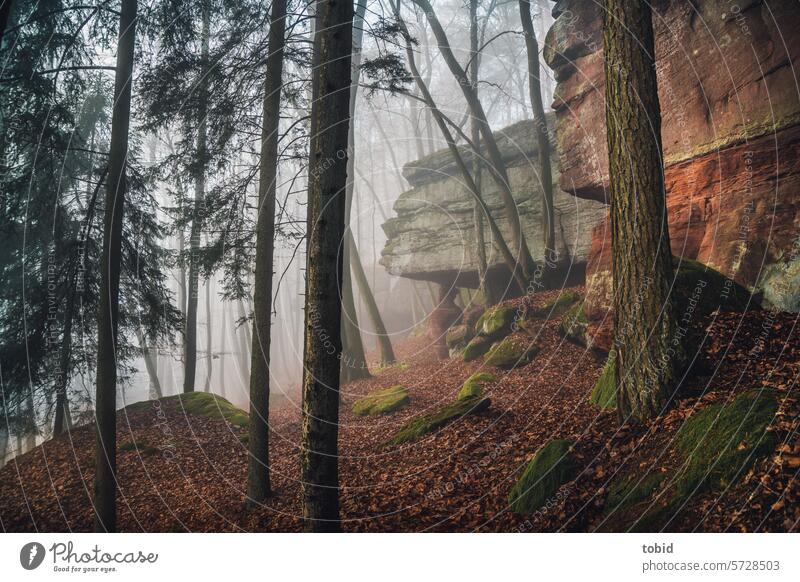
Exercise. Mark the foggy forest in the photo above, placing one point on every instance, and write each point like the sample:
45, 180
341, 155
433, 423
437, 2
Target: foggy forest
399, 266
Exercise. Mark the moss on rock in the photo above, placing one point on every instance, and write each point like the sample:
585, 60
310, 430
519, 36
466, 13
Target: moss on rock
458, 336
559, 304
604, 393
574, 325
704, 289
382, 401
430, 422
474, 385
551, 467
511, 353
495, 322
722, 441
476, 348
631, 489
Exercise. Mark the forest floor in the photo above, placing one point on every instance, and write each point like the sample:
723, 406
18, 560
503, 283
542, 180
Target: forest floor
186, 472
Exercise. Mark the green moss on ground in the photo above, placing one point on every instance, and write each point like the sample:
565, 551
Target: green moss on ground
559, 304
722, 441
574, 324
430, 422
200, 404
382, 401
495, 322
631, 489
474, 385
476, 348
511, 353
605, 391
550, 468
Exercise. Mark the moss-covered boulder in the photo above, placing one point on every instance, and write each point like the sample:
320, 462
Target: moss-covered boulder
626, 491
604, 393
382, 401
574, 325
199, 404
476, 348
721, 442
512, 352
559, 304
474, 385
495, 322
430, 422
551, 467
458, 336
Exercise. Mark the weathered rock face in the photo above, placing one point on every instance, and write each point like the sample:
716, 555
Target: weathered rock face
433, 238
730, 130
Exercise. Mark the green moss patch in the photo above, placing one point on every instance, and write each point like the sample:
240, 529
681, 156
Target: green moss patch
474, 385
382, 401
574, 324
604, 393
199, 404
631, 489
495, 322
430, 422
476, 348
550, 468
559, 305
511, 353
723, 441
458, 336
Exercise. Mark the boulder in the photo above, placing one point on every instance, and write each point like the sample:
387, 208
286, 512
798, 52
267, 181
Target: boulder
474, 385
382, 401
512, 352
551, 467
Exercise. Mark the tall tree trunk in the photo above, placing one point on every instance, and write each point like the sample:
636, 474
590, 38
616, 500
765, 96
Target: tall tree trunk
150, 364
245, 341
105, 480
190, 333
209, 336
326, 229
223, 381
258, 482
648, 350
474, 70
384, 342
497, 167
543, 141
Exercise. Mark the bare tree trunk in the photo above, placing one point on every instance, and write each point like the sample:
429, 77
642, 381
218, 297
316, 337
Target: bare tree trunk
543, 140
354, 360
209, 335
150, 364
223, 381
649, 352
105, 480
258, 481
190, 335
475, 136
384, 342
326, 228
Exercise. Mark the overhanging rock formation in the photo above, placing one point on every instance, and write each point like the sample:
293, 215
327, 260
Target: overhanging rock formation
730, 131
432, 237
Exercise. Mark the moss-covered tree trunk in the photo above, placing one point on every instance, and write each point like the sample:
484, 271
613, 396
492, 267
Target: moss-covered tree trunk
326, 229
648, 353
190, 332
543, 142
258, 481
105, 479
